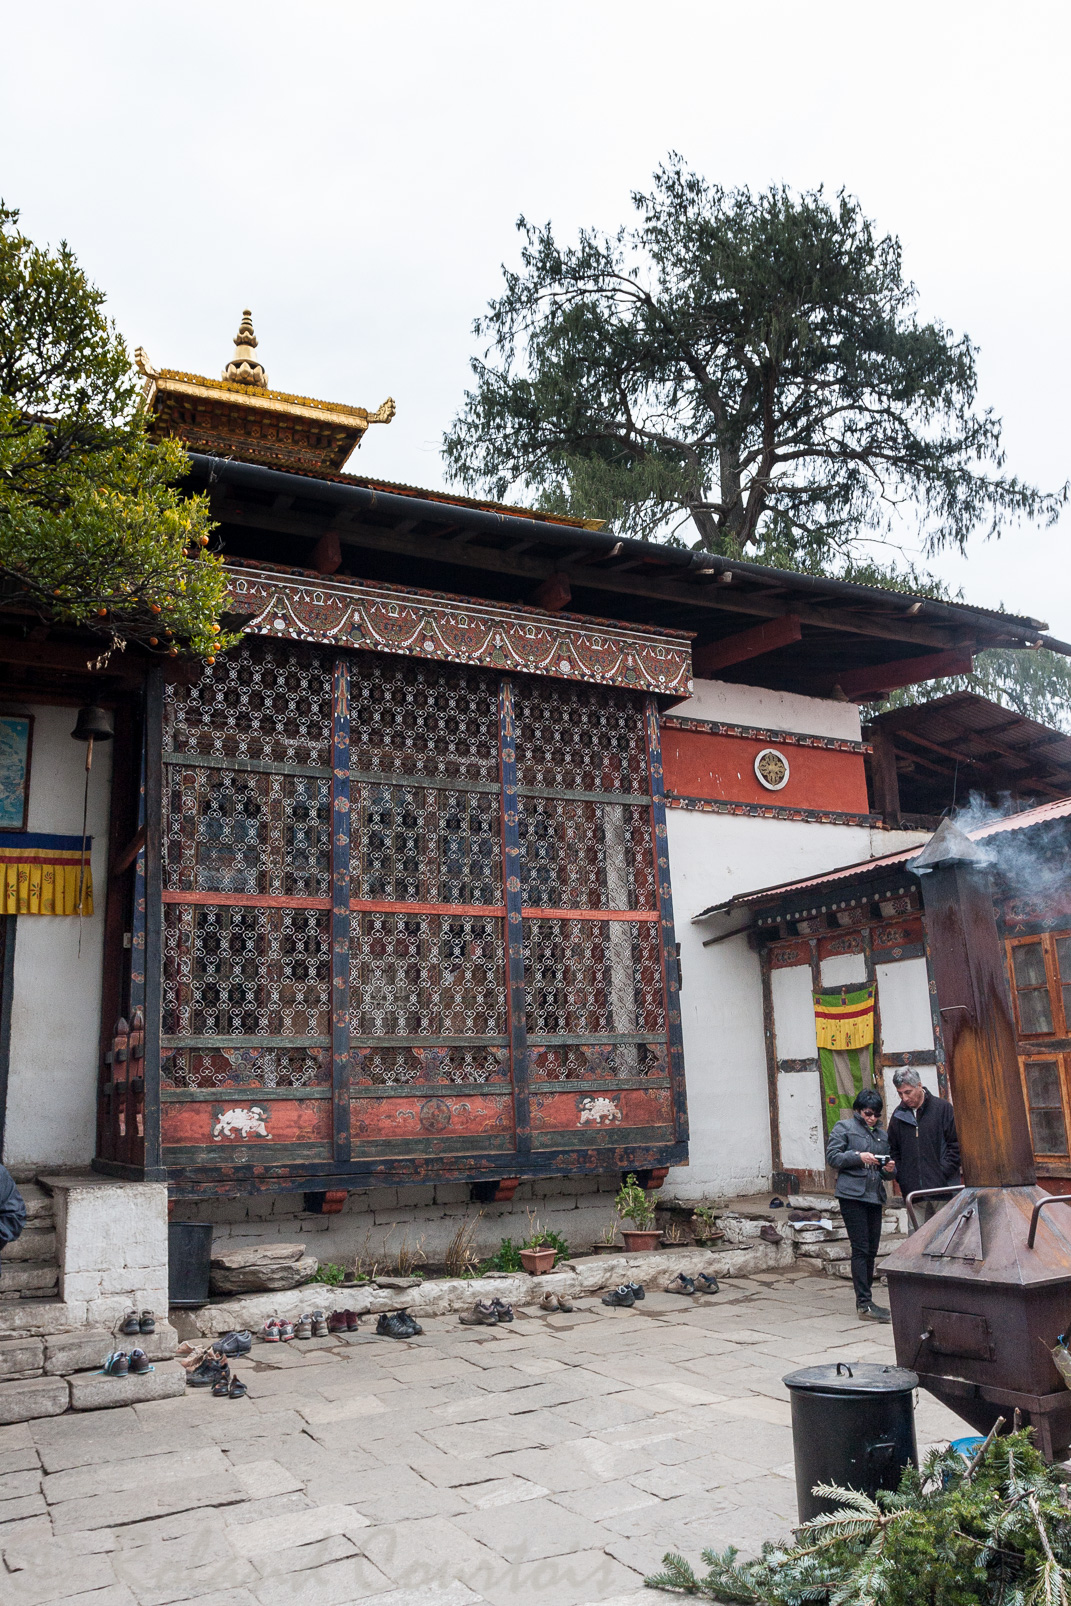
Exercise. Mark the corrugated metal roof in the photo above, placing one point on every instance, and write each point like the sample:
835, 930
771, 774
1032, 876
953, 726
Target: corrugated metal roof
1059, 809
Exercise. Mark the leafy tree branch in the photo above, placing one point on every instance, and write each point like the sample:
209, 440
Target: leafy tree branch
93, 531
747, 364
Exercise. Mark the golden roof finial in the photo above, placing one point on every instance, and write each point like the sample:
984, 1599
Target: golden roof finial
243, 368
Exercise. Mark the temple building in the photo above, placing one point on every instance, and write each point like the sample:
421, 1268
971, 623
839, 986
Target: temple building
394, 903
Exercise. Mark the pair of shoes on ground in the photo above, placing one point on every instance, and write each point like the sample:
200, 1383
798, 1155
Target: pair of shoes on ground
489, 1313
873, 1313
340, 1321
555, 1302
397, 1324
214, 1373
624, 1296
703, 1284
233, 1344
312, 1325
120, 1364
132, 1323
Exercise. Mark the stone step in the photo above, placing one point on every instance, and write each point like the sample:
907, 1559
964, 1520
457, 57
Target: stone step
83, 1351
35, 1318
28, 1398
89, 1391
28, 1276
39, 1207
21, 1357
38, 1242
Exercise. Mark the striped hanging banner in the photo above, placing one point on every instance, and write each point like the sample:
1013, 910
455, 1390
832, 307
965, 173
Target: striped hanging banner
844, 1026
41, 875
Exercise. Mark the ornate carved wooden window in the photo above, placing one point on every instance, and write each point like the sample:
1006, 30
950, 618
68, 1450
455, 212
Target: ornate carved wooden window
1039, 970
412, 909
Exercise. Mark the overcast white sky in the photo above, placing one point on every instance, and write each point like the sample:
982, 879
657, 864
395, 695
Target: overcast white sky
353, 174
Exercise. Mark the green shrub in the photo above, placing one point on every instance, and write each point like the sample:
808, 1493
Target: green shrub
996, 1532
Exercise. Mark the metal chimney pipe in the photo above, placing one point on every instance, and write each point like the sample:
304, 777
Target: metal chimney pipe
972, 997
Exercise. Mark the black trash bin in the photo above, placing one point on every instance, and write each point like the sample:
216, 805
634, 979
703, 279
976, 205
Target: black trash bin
189, 1258
852, 1425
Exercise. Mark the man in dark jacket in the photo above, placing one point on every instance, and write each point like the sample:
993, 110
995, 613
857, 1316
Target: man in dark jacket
923, 1141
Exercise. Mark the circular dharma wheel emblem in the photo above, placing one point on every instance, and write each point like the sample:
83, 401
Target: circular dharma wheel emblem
771, 767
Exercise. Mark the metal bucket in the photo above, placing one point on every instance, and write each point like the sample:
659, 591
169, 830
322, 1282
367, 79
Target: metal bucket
852, 1425
189, 1259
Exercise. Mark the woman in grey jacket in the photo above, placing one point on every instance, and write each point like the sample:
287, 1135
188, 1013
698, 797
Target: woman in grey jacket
858, 1150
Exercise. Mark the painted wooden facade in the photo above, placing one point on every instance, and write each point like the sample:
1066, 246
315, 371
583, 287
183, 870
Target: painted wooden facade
403, 917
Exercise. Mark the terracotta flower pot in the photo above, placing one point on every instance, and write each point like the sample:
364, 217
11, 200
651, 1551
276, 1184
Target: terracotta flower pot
635, 1240
538, 1261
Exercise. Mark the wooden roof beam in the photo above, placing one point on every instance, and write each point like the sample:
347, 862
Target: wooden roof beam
704, 599
745, 644
876, 679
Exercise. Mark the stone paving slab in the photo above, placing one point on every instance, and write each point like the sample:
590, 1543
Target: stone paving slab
551, 1462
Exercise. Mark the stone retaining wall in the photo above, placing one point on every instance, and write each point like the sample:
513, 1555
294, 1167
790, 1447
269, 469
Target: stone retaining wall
441, 1297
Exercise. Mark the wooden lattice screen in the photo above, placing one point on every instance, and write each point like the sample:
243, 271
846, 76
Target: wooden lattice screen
414, 921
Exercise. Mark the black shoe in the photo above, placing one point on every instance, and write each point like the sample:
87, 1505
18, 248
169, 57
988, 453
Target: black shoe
622, 1296
139, 1362
131, 1326
395, 1324
872, 1313
681, 1285
233, 1344
503, 1311
414, 1326
237, 1389
210, 1371
637, 1290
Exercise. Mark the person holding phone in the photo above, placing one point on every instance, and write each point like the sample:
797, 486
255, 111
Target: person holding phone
858, 1150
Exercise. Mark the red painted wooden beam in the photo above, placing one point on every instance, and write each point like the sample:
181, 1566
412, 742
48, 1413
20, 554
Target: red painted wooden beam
767, 637
554, 594
878, 678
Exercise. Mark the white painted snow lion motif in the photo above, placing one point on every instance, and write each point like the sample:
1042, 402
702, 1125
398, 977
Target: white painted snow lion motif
598, 1110
241, 1124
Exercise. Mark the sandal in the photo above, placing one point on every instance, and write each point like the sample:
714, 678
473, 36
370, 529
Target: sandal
222, 1386
237, 1389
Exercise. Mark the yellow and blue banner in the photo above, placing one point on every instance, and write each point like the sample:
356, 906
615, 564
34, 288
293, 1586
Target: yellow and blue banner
42, 874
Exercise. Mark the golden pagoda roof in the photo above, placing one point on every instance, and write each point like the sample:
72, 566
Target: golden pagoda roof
239, 416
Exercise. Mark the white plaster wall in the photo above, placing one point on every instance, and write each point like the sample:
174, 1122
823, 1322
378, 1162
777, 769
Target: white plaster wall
55, 1012
904, 1003
771, 710
799, 1097
793, 1013
844, 970
714, 857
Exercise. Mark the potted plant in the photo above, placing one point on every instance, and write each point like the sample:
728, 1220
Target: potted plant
538, 1258
635, 1204
542, 1249
607, 1244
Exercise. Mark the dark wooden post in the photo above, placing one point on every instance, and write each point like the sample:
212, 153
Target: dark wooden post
972, 996
886, 781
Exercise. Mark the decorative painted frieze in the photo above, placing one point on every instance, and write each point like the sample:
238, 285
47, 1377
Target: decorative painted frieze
459, 630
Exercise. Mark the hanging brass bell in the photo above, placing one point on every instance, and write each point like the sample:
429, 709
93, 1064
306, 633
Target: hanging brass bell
93, 725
